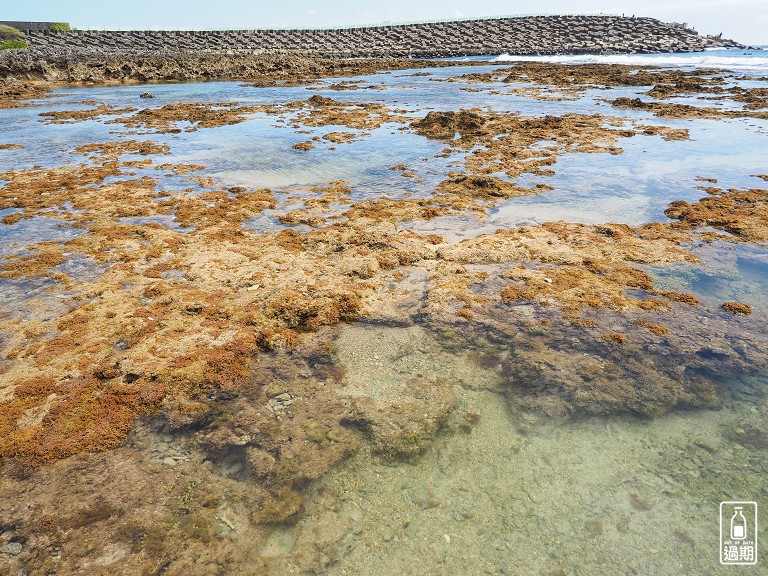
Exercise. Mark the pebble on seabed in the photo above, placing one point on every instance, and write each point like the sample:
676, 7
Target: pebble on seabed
12, 548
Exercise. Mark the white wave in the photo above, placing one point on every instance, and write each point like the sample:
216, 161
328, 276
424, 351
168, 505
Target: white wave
699, 60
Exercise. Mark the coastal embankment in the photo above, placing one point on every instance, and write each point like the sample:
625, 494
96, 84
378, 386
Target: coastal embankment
558, 34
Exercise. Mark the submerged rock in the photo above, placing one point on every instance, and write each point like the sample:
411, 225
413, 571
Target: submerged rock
445, 125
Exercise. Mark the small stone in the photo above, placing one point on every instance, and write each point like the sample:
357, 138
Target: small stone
440, 556
12, 548
410, 530
424, 498
460, 516
169, 461
279, 544
709, 444
564, 527
639, 503
594, 526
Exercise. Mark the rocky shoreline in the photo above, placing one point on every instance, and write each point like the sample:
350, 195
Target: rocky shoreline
73, 66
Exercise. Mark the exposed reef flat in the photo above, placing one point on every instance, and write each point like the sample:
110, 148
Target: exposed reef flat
195, 354
178, 315
73, 66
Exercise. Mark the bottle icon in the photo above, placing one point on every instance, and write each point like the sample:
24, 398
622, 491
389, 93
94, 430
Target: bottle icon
738, 525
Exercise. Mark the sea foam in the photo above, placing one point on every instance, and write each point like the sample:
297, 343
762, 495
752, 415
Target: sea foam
740, 60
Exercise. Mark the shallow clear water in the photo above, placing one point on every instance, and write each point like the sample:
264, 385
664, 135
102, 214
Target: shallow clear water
515, 495
16, 237
259, 154
728, 272
633, 187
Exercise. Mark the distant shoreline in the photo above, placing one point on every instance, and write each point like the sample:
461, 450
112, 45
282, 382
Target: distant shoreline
72, 67
26, 71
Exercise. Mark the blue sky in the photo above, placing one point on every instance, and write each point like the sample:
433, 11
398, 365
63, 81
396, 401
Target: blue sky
742, 20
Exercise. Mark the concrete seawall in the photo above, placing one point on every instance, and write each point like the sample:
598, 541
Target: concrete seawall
28, 26
523, 35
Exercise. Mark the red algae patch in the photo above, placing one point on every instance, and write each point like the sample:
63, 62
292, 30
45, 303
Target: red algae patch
39, 263
350, 85
113, 150
742, 213
580, 267
615, 338
558, 82
591, 75
321, 111
340, 137
673, 110
737, 308
506, 146
303, 146
71, 116
165, 119
12, 218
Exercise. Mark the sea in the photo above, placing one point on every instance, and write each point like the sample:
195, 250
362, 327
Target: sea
754, 58
522, 494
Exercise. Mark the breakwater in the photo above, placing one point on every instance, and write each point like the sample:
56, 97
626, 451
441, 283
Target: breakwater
516, 35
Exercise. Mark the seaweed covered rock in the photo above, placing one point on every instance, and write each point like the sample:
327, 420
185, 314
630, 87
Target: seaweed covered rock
609, 363
445, 125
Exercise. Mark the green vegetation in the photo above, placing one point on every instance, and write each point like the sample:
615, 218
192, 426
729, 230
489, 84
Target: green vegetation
9, 33
60, 27
11, 38
13, 44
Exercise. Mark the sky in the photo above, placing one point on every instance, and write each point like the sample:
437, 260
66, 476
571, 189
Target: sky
745, 21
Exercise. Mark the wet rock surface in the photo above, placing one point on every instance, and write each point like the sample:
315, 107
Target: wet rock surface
58, 65
398, 398
194, 395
